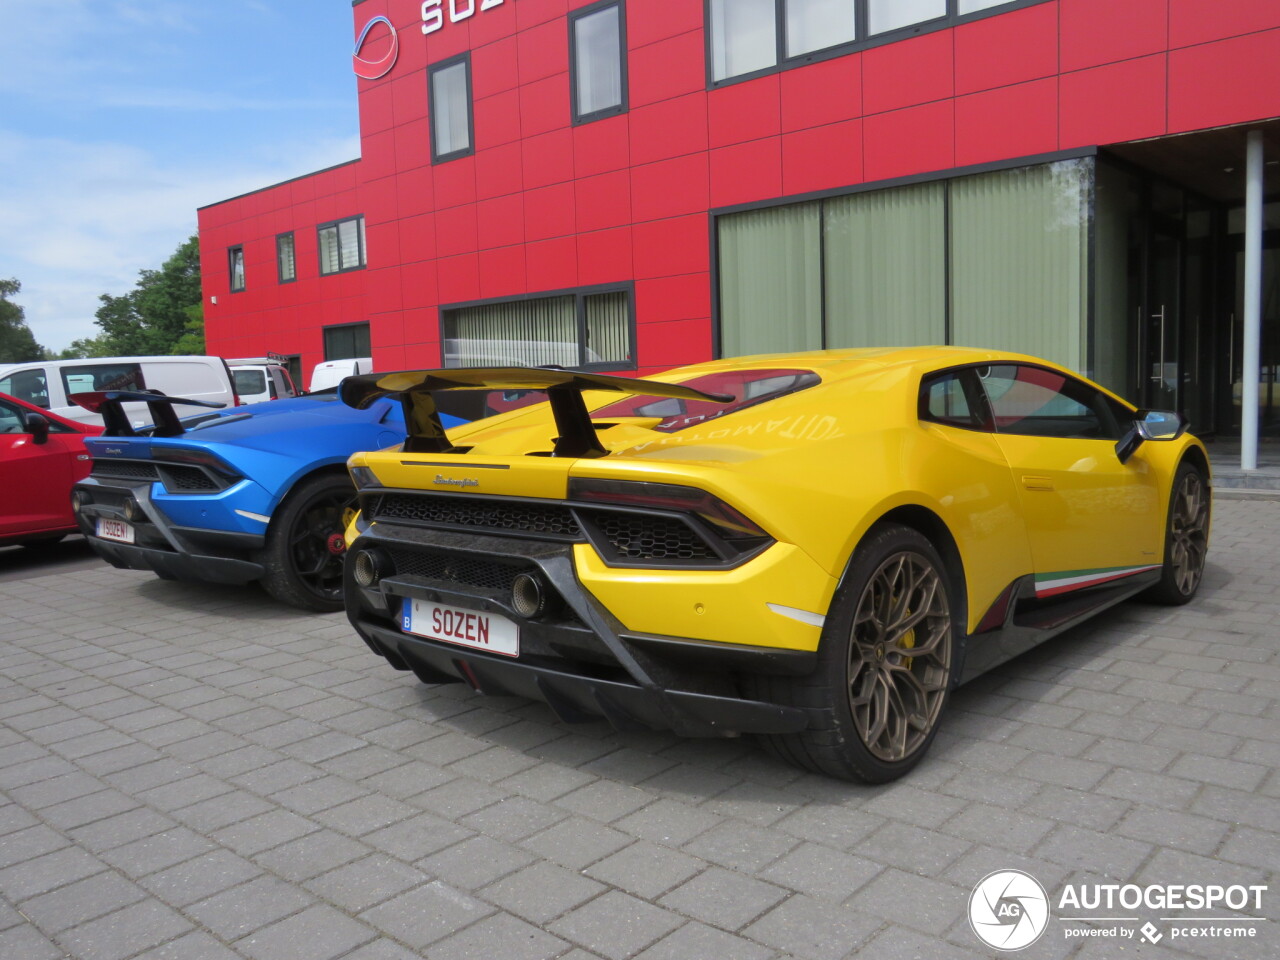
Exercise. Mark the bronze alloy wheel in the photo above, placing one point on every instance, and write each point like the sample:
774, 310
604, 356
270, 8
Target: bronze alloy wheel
1188, 532
900, 656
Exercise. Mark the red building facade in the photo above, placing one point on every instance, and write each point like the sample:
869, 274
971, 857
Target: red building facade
618, 217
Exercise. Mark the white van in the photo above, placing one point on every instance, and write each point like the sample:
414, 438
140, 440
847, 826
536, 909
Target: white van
49, 383
333, 372
261, 378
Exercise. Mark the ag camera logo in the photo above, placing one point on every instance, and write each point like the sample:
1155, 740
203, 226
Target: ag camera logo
1008, 910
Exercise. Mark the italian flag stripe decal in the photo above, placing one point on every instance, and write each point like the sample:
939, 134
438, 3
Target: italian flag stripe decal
1064, 581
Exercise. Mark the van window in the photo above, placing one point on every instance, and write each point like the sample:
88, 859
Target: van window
28, 385
250, 382
102, 376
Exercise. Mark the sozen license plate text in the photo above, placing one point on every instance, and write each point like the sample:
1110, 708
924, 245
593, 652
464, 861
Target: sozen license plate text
467, 628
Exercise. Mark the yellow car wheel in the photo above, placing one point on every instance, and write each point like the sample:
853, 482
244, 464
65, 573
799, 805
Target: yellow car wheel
1186, 538
886, 664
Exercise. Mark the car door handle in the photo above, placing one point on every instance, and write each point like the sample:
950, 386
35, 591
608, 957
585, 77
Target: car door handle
1037, 483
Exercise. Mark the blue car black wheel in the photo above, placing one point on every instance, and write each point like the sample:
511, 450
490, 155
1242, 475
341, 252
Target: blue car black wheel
304, 553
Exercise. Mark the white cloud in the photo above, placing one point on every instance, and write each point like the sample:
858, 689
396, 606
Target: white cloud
79, 219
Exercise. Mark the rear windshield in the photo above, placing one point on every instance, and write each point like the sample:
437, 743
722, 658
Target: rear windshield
748, 388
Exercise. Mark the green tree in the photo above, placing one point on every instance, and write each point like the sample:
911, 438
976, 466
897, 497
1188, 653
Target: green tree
17, 342
161, 314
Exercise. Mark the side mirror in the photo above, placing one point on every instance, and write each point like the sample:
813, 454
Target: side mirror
38, 427
1158, 425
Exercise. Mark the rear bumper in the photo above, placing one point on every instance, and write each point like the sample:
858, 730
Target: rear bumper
180, 566
582, 663
183, 553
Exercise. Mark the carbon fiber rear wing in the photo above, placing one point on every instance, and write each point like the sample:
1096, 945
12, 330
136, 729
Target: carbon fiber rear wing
110, 405
564, 389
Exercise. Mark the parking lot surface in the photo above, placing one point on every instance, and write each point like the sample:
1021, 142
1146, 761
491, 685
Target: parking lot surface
194, 772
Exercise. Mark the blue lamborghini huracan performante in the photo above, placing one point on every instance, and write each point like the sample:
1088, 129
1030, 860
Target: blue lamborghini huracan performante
249, 493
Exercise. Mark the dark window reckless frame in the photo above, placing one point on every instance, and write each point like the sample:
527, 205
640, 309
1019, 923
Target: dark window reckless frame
622, 106
336, 227
293, 257
332, 331
235, 259
580, 318
863, 40
432, 70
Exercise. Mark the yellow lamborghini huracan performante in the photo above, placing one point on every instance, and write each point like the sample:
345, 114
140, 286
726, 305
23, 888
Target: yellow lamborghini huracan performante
815, 548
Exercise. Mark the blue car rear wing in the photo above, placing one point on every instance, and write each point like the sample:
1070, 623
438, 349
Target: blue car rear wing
564, 389
110, 405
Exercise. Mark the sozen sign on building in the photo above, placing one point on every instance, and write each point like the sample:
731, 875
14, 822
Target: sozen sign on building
433, 11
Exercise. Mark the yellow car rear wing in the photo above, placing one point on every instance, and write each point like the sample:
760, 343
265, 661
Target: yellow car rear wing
564, 389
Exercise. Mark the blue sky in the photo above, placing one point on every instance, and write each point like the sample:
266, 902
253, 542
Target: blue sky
118, 118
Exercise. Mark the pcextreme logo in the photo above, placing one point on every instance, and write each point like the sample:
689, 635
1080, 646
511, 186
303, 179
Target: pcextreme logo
1009, 910
373, 69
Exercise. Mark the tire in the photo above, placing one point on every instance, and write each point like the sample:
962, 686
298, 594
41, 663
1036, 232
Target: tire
1186, 541
302, 568
874, 710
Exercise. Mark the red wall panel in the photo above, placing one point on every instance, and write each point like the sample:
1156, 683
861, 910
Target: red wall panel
1198, 21
746, 171
744, 111
1092, 113
1229, 81
820, 93
1024, 43
1015, 121
822, 158
908, 72
1105, 31
667, 68
909, 141
603, 201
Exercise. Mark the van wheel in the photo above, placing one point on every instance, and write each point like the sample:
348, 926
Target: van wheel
304, 551
887, 660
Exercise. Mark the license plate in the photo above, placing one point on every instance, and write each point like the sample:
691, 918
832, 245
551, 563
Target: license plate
466, 628
115, 530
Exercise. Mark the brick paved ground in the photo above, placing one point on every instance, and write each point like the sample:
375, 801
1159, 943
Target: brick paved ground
194, 773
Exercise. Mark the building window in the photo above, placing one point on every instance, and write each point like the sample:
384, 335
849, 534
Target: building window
345, 340
591, 328
598, 65
341, 246
749, 37
235, 264
449, 93
286, 262
886, 15
977, 261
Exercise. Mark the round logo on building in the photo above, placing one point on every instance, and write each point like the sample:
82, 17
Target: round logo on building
1008, 910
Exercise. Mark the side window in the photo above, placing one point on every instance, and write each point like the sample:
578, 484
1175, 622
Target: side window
1036, 402
950, 398
28, 385
11, 418
102, 376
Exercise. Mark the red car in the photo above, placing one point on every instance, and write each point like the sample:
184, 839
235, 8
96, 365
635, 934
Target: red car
41, 456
